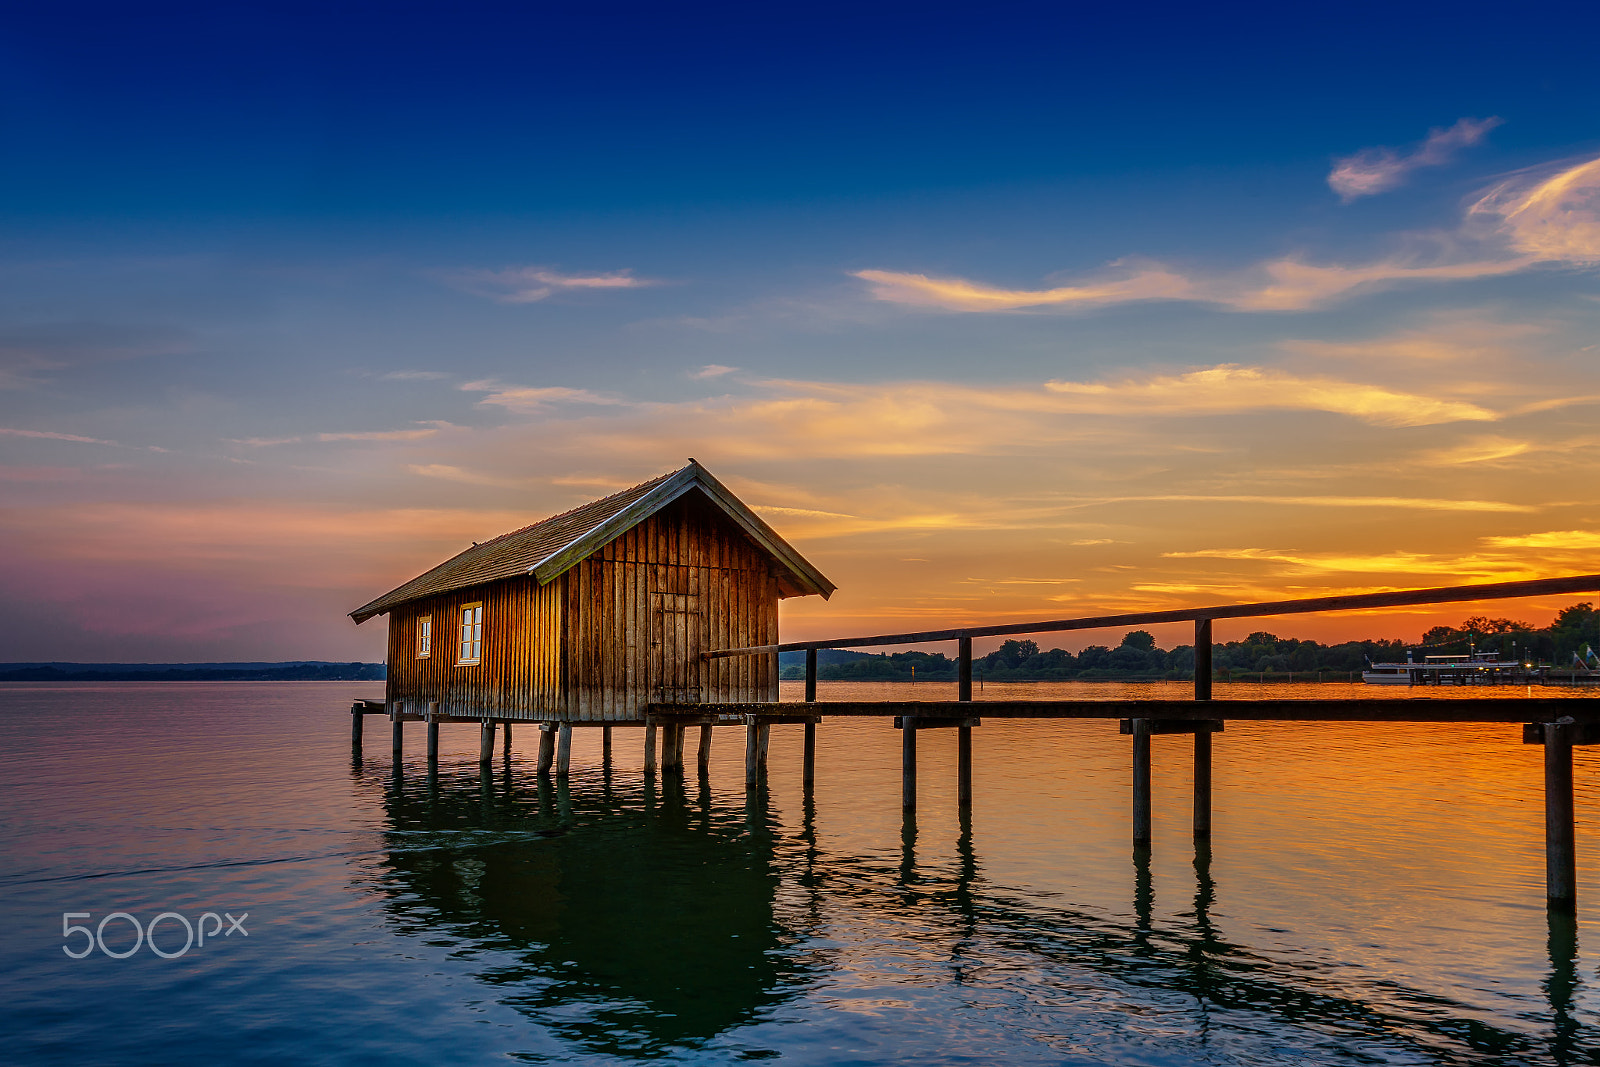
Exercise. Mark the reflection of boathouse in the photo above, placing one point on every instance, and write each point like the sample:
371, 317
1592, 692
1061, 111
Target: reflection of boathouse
595, 613
653, 926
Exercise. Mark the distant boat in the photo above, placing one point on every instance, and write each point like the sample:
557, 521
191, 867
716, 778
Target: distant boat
1478, 668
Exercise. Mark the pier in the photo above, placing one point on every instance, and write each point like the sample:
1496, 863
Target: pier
1557, 724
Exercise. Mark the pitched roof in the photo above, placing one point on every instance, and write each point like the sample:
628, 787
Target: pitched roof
548, 549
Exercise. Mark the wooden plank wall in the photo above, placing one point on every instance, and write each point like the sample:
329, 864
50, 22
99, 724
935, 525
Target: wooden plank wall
518, 674
640, 611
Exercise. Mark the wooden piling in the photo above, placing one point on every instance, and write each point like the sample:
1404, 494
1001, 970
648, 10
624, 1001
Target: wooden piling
433, 733
808, 770
964, 733
1560, 845
605, 744
1202, 739
668, 732
1141, 782
752, 753
703, 756
486, 742
399, 732
547, 747
563, 750
763, 742
357, 721
505, 747
908, 763
650, 749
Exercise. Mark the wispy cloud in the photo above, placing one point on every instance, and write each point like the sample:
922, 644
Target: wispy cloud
1549, 217
1286, 284
50, 435
1294, 564
1553, 539
1377, 170
531, 399
529, 285
712, 370
414, 376
1233, 388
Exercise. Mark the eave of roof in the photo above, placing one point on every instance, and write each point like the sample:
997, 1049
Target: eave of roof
550, 548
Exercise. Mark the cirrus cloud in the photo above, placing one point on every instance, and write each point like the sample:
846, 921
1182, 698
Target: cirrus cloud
1377, 170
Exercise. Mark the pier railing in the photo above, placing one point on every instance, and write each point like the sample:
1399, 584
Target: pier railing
1557, 724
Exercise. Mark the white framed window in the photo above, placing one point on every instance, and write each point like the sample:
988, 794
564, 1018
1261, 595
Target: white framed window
471, 633
424, 636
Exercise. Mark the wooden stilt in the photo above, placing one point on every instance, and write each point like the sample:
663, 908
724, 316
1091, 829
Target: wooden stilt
678, 745
908, 763
547, 747
1560, 845
752, 753
650, 749
563, 750
399, 731
357, 721
964, 766
1202, 739
1141, 781
486, 742
605, 744
505, 747
808, 771
964, 733
705, 748
763, 741
433, 737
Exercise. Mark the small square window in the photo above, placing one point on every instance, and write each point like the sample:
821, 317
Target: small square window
471, 633
424, 636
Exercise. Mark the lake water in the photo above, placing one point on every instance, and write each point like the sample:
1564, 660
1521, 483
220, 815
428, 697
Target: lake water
1372, 894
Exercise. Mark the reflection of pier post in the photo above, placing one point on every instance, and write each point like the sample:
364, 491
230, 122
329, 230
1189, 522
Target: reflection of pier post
1560, 987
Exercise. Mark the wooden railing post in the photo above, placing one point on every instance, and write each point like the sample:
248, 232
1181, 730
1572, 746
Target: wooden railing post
964, 733
1560, 845
1141, 781
1202, 738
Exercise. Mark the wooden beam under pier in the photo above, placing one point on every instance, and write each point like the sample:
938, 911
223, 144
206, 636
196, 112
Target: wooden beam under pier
1376, 709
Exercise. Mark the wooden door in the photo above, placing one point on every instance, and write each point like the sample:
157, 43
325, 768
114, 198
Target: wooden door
677, 637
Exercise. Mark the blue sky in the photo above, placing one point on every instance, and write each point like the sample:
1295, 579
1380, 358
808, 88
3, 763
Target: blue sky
999, 314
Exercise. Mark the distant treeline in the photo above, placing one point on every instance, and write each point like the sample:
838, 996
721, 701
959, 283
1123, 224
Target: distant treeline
192, 672
1261, 653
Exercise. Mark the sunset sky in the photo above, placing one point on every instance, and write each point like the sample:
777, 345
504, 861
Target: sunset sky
997, 314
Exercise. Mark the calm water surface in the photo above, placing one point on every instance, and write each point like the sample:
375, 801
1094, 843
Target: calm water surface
1372, 894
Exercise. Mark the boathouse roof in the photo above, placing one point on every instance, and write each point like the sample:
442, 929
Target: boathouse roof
548, 549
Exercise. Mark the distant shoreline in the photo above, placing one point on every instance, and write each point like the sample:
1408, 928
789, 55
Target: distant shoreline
296, 671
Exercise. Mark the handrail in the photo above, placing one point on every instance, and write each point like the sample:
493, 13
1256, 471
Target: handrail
1584, 583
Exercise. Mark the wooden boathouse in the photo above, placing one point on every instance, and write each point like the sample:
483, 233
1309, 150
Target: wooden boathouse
594, 615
